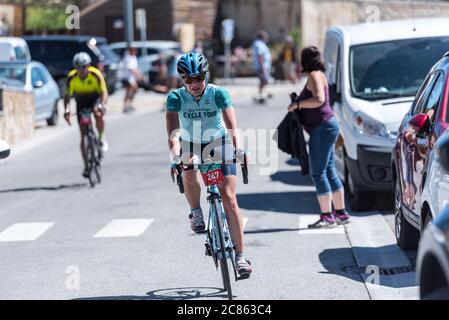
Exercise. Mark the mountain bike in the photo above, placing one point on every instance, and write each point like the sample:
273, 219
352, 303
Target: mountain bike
219, 244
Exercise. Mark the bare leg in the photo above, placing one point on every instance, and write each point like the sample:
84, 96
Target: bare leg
235, 219
99, 121
338, 199
325, 202
192, 188
83, 146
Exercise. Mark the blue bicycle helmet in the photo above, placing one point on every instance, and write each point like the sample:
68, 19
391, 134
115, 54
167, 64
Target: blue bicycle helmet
192, 64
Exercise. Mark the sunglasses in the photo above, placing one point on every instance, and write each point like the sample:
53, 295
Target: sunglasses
190, 80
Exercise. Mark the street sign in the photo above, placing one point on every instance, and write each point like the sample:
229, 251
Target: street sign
227, 30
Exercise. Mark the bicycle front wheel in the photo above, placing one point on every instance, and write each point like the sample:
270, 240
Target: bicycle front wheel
222, 245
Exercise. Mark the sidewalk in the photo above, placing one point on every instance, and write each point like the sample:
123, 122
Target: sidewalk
149, 100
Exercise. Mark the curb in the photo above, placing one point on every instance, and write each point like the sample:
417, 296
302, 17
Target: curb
384, 267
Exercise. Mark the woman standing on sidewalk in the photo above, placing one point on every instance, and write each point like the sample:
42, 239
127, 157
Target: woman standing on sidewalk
320, 123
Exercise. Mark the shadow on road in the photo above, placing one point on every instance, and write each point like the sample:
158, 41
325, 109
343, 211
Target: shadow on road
56, 188
340, 261
285, 202
187, 293
292, 177
274, 230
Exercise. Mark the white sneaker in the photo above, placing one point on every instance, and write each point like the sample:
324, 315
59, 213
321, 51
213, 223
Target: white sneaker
104, 145
197, 221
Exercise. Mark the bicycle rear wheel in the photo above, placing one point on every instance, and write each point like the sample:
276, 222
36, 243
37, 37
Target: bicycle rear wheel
222, 244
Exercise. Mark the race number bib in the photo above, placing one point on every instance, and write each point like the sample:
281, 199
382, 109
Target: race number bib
212, 175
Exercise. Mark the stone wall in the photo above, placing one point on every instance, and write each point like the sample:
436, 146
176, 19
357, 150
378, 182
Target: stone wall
17, 115
318, 15
277, 17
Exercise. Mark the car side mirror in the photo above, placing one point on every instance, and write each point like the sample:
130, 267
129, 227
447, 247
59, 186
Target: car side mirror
420, 121
38, 84
5, 150
334, 96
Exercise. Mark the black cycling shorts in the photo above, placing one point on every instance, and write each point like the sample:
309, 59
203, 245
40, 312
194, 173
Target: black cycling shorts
220, 150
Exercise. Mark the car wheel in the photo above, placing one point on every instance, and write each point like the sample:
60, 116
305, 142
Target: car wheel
53, 120
407, 237
427, 220
358, 200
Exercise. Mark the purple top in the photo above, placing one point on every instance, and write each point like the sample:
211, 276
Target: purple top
312, 118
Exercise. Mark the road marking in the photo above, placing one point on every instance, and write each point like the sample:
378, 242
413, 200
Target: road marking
305, 220
124, 228
25, 231
245, 221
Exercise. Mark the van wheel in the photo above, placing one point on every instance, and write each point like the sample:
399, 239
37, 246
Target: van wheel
407, 237
53, 120
358, 200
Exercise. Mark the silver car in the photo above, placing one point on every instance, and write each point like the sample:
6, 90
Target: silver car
432, 265
33, 77
435, 193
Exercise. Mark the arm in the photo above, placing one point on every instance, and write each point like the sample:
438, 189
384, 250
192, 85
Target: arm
230, 121
319, 95
172, 126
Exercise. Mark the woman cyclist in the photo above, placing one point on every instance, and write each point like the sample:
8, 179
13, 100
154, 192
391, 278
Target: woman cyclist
201, 122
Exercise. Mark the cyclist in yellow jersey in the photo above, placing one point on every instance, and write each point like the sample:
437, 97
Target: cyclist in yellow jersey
87, 85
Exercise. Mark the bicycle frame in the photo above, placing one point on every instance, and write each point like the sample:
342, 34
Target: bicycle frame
214, 200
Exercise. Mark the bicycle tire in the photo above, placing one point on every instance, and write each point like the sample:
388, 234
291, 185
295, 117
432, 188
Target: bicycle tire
223, 260
96, 159
89, 161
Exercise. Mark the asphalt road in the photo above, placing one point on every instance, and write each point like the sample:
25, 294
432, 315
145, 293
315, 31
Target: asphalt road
129, 237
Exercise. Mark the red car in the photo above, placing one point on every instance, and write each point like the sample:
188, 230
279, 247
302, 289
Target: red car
421, 127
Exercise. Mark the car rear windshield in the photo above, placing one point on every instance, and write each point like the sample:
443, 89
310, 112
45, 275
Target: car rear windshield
48, 52
394, 68
108, 53
17, 73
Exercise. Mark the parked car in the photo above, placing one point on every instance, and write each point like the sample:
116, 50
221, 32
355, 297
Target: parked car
56, 53
5, 150
156, 50
12, 49
412, 156
34, 77
432, 265
374, 71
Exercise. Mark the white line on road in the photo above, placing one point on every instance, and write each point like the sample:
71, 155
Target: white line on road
25, 231
124, 228
306, 219
245, 221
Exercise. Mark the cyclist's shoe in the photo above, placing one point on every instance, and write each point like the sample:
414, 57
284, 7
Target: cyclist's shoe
244, 268
342, 218
197, 221
85, 173
326, 221
129, 109
104, 145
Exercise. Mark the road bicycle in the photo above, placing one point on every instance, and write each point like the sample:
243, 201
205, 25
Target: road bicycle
219, 244
93, 149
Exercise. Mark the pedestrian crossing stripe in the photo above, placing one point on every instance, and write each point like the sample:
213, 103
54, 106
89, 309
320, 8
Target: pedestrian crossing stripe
124, 228
25, 231
245, 221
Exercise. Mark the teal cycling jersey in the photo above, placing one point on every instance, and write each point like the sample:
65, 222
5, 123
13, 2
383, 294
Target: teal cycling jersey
201, 120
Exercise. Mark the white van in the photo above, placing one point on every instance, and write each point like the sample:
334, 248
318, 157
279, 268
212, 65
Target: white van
14, 49
374, 71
